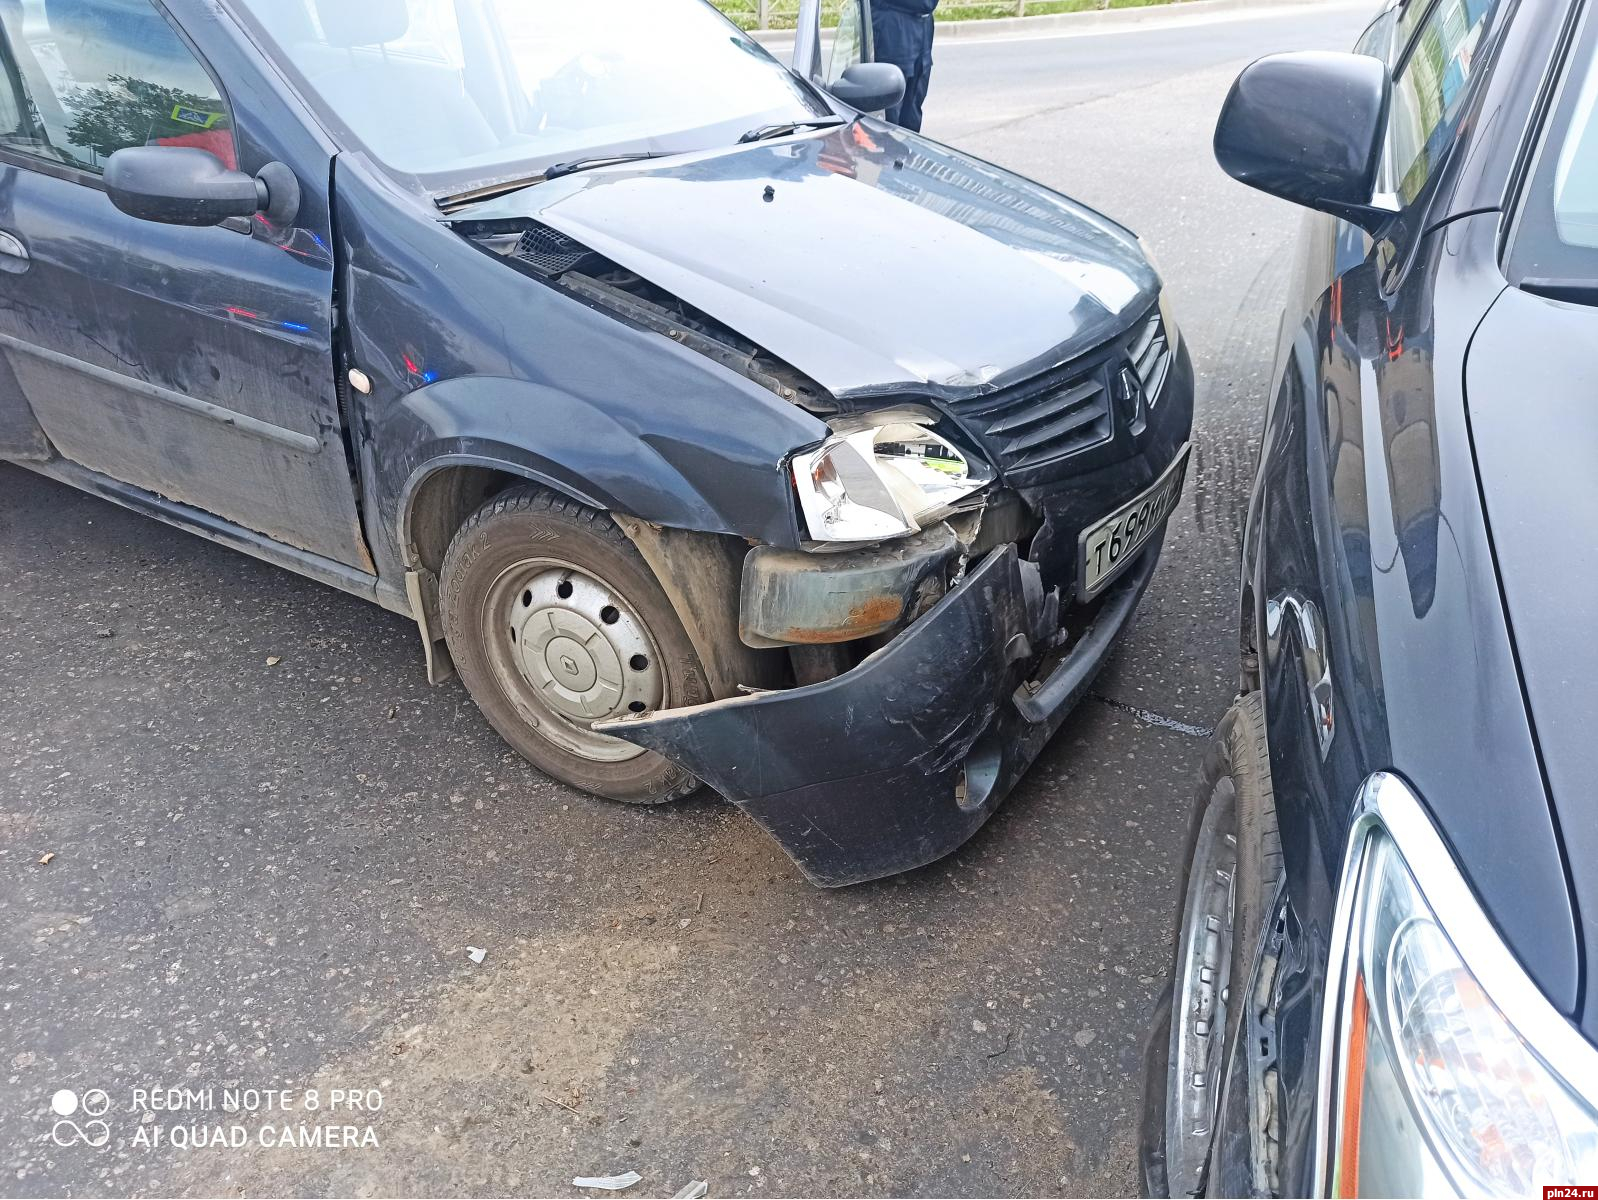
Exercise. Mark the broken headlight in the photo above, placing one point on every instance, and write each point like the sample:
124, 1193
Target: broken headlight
882, 476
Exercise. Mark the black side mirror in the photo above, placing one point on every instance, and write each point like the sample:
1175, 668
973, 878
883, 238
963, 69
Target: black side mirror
183, 185
1309, 127
869, 87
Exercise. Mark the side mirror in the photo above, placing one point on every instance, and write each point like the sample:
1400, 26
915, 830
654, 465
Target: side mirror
869, 87
183, 185
1309, 127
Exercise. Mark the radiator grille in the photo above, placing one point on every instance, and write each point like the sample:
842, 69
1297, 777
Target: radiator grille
1069, 409
1151, 356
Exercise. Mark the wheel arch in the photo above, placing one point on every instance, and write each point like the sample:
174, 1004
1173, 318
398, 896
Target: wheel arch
445, 490
698, 570
622, 461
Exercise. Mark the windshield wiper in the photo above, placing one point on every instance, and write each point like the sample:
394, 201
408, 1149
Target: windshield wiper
784, 128
599, 160
493, 191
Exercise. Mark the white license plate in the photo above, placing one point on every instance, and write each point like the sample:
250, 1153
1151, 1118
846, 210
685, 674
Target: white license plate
1105, 549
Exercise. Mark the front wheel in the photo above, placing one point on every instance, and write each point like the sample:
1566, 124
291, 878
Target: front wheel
1234, 865
555, 623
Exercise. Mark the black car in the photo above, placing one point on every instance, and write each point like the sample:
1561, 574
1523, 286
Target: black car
710, 429
1384, 975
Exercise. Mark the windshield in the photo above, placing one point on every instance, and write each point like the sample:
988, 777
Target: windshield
1555, 242
459, 93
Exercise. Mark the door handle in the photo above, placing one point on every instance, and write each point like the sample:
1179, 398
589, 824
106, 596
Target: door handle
14, 255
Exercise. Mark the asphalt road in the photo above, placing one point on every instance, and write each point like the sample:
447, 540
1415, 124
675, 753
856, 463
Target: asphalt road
266, 876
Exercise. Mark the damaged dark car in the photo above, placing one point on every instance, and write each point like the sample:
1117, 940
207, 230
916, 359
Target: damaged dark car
712, 430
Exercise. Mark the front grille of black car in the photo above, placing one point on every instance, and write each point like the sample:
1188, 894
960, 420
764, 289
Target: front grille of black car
1064, 411
1151, 357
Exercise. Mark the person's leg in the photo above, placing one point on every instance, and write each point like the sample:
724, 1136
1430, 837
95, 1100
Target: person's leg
915, 96
917, 81
894, 41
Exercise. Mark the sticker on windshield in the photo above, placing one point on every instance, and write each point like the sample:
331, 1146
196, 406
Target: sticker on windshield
199, 118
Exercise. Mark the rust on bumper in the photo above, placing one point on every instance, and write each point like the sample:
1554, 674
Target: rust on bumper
796, 598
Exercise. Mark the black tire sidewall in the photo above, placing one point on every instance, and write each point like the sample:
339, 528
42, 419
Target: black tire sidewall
1259, 847
529, 523
1237, 752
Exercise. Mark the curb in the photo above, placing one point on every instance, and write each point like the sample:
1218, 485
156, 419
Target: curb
1096, 19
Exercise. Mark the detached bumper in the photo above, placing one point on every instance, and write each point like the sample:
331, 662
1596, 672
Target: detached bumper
898, 762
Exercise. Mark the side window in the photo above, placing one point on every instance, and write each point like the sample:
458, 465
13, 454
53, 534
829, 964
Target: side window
98, 76
1377, 40
1430, 91
16, 111
848, 42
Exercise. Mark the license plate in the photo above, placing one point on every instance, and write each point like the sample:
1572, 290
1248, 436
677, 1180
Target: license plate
1106, 549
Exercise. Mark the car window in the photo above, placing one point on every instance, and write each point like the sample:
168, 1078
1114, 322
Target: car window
1555, 241
462, 92
1409, 16
1377, 40
1430, 90
16, 112
1573, 196
102, 75
848, 43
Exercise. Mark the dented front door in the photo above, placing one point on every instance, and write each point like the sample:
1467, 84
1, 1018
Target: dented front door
194, 363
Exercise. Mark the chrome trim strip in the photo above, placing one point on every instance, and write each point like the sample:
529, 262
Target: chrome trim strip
1387, 803
300, 442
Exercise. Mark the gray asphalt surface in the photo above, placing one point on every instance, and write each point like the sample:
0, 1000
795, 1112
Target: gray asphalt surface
267, 876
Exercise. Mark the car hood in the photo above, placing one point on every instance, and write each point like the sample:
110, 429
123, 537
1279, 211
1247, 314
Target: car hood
1534, 430
868, 258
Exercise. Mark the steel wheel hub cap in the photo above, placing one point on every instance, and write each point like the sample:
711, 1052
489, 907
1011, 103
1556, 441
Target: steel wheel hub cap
568, 658
580, 654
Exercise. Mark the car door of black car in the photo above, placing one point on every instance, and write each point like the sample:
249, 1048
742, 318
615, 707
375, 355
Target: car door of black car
823, 55
195, 363
1370, 534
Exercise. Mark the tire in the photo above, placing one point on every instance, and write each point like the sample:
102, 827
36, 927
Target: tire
1234, 866
554, 622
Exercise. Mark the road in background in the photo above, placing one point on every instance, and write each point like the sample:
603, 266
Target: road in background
981, 84
268, 875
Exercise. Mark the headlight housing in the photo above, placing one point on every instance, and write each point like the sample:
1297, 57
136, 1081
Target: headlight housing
1435, 1089
883, 475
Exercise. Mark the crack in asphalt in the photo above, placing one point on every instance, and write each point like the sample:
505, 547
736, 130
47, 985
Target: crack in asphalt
1154, 718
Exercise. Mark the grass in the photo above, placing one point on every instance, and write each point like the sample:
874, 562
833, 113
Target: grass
782, 14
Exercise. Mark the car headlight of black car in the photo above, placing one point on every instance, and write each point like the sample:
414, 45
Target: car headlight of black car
883, 475
1451, 1073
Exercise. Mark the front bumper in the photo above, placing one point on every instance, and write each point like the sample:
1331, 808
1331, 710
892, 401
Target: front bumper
896, 763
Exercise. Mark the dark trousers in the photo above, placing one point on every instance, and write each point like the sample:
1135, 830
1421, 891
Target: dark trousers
905, 40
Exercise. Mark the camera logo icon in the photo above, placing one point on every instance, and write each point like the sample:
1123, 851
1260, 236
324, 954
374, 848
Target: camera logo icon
91, 1105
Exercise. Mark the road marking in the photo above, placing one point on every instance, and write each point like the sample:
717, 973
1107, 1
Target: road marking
1154, 718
